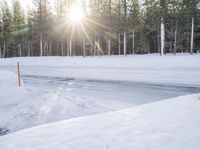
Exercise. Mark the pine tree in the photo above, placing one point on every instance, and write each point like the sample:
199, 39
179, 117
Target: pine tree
43, 24
134, 20
19, 27
31, 34
44, 30
1, 38
7, 22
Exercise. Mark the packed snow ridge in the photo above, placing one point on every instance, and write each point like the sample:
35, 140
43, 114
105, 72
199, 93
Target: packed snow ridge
168, 125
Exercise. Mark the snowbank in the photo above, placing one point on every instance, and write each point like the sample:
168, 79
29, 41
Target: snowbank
172, 69
10, 93
150, 61
168, 125
10, 96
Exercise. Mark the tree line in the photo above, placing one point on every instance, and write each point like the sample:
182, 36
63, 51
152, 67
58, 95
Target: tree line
109, 27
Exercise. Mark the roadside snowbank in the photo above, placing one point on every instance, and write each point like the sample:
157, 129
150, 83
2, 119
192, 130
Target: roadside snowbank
10, 93
182, 69
168, 125
151, 61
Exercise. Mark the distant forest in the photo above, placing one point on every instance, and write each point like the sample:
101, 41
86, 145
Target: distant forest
107, 27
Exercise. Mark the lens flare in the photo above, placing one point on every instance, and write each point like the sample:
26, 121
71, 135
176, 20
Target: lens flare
76, 15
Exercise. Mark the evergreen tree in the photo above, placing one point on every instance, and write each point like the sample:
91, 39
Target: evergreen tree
19, 27
134, 20
46, 29
1, 38
7, 21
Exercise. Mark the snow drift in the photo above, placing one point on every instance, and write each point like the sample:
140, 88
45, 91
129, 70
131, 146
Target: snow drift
10, 96
168, 125
10, 93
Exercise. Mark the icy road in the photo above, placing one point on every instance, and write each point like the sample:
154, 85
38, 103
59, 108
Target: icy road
136, 93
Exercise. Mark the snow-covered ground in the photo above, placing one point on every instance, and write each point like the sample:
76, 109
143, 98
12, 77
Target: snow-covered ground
27, 106
179, 69
168, 125
60, 88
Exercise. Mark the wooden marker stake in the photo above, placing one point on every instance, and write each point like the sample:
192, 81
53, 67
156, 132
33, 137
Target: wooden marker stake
19, 78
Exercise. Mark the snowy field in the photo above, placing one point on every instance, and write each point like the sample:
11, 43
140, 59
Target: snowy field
60, 88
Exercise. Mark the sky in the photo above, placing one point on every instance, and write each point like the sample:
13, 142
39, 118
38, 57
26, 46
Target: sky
25, 3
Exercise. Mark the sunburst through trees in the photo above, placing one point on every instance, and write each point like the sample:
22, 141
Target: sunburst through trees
97, 27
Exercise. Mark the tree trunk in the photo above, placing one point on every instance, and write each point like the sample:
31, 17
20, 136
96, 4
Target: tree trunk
148, 48
125, 27
4, 49
125, 46
41, 45
68, 53
50, 48
84, 48
98, 45
91, 47
95, 45
158, 40
119, 45
0, 53
175, 42
20, 50
70, 48
109, 38
162, 37
192, 37
45, 48
62, 48
133, 46
188, 39
109, 46
29, 49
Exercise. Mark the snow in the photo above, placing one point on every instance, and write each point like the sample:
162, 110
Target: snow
134, 61
63, 87
81, 89
168, 125
180, 69
22, 107
10, 93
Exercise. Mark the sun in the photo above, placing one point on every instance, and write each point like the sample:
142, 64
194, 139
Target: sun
76, 15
